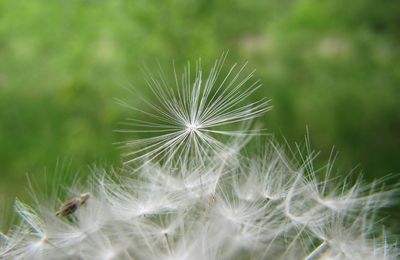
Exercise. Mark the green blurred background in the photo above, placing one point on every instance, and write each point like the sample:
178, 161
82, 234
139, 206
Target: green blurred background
330, 65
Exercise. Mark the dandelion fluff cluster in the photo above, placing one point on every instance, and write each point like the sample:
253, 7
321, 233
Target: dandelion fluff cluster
193, 195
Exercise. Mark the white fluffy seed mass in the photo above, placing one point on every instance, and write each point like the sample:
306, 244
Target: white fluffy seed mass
188, 191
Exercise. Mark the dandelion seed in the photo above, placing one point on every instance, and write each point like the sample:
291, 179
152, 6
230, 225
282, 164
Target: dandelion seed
187, 121
70, 206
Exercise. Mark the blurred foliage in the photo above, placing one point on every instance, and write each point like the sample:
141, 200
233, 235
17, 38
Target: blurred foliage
330, 65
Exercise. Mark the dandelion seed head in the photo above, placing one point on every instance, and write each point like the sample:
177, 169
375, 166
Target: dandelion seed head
197, 194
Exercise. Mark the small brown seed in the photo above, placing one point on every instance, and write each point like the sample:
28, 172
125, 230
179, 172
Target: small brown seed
70, 206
